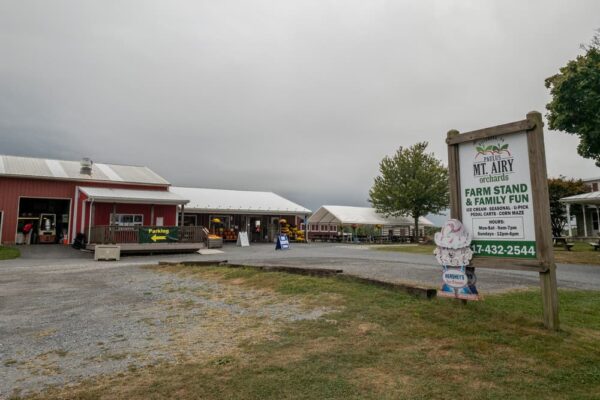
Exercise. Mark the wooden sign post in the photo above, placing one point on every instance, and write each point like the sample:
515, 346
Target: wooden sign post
499, 190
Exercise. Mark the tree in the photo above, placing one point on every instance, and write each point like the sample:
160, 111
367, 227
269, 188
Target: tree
575, 92
411, 182
558, 188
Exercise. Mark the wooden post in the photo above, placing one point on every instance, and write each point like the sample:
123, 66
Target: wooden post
90, 221
454, 178
113, 223
543, 228
584, 221
569, 219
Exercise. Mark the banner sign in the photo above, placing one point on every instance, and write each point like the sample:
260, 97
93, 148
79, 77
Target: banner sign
496, 196
282, 243
158, 234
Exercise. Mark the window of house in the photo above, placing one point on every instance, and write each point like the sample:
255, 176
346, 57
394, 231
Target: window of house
595, 186
127, 219
333, 228
324, 228
594, 220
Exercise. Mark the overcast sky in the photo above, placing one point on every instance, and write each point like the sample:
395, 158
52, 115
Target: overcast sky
302, 98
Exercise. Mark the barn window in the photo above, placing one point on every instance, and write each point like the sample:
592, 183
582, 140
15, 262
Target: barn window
127, 219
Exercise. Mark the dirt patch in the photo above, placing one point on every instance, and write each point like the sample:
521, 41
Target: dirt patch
367, 327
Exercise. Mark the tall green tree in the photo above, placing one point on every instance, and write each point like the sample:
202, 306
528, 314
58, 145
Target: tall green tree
575, 105
411, 182
558, 188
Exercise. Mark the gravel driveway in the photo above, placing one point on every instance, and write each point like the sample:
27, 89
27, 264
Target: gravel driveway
61, 324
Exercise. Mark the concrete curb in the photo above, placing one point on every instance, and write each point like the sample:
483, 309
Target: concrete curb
414, 290
290, 270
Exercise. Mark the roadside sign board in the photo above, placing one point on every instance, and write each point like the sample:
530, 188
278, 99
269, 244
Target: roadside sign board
499, 191
283, 243
242, 239
160, 234
496, 196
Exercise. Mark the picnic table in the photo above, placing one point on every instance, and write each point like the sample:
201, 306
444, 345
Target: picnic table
595, 245
562, 241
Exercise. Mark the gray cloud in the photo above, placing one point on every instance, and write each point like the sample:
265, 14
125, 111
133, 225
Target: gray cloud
300, 97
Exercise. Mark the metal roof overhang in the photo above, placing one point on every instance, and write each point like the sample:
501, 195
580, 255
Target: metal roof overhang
109, 195
592, 198
242, 211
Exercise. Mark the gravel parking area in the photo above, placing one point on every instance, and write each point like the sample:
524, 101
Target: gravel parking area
59, 325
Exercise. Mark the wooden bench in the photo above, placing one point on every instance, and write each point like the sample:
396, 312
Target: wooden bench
595, 245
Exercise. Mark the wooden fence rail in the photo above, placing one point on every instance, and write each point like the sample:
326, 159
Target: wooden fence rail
108, 234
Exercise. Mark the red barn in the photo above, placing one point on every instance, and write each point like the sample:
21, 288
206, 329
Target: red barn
51, 201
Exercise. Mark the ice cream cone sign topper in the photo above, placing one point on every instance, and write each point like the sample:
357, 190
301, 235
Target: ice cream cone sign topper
454, 253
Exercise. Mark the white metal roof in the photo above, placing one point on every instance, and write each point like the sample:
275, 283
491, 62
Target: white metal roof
71, 170
345, 215
584, 198
238, 202
108, 195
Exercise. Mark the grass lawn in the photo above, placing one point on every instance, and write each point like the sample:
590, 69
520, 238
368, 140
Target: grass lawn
7, 253
581, 253
381, 344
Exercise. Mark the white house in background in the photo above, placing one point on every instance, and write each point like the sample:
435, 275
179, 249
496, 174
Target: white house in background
329, 220
587, 223
592, 183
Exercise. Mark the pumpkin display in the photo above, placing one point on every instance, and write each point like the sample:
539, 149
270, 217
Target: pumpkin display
229, 235
292, 232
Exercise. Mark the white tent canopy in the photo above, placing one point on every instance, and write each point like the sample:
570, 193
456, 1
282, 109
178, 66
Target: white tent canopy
345, 215
237, 202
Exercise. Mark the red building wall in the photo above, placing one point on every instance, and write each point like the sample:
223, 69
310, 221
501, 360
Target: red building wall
102, 213
11, 189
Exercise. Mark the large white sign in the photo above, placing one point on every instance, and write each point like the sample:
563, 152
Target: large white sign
496, 196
